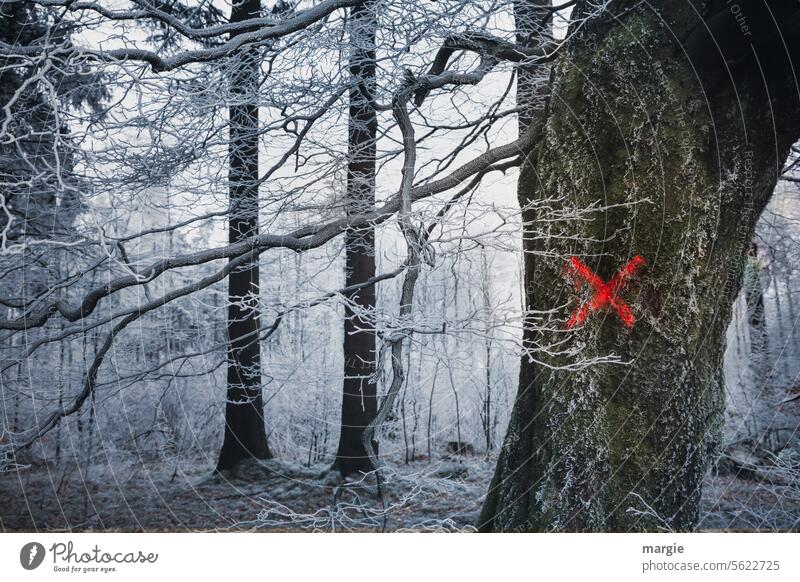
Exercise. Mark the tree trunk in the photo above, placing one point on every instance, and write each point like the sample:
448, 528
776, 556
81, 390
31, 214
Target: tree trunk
245, 434
359, 393
534, 26
666, 112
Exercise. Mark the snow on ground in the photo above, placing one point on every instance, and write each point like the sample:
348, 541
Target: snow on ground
445, 495
276, 496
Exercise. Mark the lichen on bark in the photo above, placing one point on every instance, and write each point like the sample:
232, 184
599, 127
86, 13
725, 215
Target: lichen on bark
681, 170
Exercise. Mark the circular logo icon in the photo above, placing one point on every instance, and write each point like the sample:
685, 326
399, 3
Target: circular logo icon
31, 555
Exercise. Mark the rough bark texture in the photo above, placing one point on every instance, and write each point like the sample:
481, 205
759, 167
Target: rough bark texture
533, 23
683, 115
245, 434
359, 395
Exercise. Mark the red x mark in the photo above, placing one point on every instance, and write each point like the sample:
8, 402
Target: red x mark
605, 294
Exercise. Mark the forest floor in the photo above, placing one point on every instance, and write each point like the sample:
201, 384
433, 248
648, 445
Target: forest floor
274, 495
278, 496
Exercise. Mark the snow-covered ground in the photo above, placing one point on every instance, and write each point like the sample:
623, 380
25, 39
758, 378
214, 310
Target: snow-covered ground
280, 496
274, 496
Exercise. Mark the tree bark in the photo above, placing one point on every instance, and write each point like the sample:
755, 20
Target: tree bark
534, 26
245, 433
682, 115
359, 393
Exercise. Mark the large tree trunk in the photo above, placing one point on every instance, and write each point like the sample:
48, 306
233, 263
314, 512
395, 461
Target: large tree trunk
644, 113
245, 434
359, 393
531, 100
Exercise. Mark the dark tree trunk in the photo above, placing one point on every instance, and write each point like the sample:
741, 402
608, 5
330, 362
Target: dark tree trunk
245, 434
534, 26
529, 17
754, 290
359, 393
645, 113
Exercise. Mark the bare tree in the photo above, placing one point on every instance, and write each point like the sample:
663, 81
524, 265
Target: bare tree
163, 129
359, 390
245, 433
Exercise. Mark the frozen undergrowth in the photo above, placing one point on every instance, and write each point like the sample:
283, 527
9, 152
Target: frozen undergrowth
445, 495
276, 496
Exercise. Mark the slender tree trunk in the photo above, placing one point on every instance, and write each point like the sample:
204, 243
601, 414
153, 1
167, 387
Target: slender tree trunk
61, 384
486, 413
457, 408
760, 362
534, 26
682, 117
405, 420
487, 401
794, 353
359, 393
430, 406
245, 434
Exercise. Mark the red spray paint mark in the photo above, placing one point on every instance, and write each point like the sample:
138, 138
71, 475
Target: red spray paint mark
605, 294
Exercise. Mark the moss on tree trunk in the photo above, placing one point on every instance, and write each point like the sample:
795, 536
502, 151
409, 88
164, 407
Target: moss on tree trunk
682, 154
